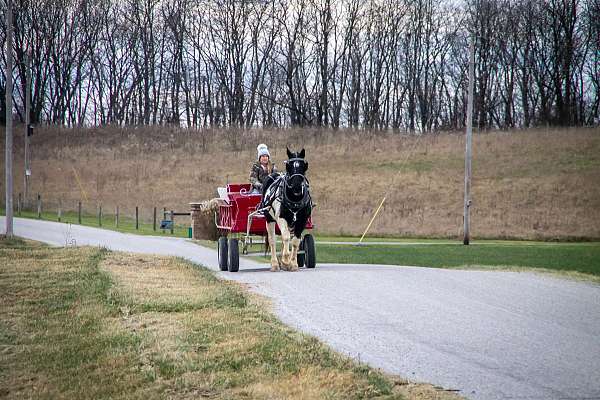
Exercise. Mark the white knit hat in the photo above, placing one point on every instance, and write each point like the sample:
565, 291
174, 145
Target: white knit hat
263, 150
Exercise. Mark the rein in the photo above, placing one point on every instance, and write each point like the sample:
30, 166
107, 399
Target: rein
296, 206
280, 192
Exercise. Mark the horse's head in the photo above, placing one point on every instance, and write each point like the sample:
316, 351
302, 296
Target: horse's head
296, 167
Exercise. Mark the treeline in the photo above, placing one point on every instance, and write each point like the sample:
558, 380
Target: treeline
379, 64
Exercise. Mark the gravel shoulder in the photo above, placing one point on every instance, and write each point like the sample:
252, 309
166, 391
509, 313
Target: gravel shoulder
489, 334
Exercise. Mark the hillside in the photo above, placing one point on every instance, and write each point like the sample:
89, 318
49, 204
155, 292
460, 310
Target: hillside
542, 184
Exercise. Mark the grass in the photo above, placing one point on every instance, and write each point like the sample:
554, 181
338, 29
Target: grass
126, 224
87, 323
583, 258
55, 335
538, 184
580, 260
580, 257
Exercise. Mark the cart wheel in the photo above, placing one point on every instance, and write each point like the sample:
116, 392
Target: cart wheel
233, 263
300, 258
310, 255
222, 253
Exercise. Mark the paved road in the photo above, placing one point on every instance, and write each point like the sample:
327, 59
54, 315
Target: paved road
493, 335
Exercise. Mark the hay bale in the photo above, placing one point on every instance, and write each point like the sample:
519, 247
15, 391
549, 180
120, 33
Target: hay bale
203, 223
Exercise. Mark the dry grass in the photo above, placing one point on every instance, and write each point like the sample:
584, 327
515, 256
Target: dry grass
87, 323
536, 184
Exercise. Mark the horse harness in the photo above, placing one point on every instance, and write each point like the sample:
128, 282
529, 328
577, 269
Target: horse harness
277, 191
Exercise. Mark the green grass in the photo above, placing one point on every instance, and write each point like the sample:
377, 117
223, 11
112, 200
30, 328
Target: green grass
126, 224
53, 303
88, 323
580, 257
369, 239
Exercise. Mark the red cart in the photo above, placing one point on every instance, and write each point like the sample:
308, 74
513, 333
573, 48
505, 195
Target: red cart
238, 219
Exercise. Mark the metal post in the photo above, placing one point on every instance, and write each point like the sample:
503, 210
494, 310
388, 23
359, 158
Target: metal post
100, 215
27, 171
59, 210
172, 221
154, 220
137, 223
468, 153
19, 204
8, 160
79, 213
39, 206
117, 217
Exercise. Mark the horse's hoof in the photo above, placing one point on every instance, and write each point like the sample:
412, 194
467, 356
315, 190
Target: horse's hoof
294, 268
274, 267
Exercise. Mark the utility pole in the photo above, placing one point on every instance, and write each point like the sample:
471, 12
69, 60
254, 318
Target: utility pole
468, 154
9, 138
27, 171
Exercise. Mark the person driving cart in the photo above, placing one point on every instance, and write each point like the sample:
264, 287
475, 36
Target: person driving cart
263, 171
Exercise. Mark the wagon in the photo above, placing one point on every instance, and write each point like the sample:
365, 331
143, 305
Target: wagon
239, 222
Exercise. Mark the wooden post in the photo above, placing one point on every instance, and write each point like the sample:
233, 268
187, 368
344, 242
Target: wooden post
467, 204
117, 217
8, 147
27, 171
100, 215
39, 206
79, 212
154, 220
59, 210
172, 221
137, 222
164, 216
19, 204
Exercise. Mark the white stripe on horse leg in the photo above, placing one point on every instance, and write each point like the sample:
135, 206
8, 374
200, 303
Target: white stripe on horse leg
285, 238
272, 246
294, 256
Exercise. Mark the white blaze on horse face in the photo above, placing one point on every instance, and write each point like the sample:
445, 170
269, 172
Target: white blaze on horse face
296, 164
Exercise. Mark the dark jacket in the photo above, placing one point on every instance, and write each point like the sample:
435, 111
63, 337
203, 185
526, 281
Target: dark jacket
258, 174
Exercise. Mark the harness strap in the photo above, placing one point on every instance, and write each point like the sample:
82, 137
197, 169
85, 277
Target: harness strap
277, 190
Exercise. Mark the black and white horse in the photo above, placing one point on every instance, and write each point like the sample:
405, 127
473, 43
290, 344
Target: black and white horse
289, 205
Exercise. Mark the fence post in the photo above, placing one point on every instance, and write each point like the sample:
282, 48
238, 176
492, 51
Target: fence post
59, 210
100, 215
39, 206
19, 205
79, 212
164, 216
172, 221
154, 220
117, 217
137, 223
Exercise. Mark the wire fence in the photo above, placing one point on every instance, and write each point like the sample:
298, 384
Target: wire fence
147, 220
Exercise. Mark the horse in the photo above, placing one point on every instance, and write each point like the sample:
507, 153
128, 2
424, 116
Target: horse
287, 202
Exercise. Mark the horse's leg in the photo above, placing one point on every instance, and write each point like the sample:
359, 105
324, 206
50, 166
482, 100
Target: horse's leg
294, 255
285, 238
272, 245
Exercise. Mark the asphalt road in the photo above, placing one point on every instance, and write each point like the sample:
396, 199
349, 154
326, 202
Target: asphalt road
491, 335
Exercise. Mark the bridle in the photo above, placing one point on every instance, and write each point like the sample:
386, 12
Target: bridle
305, 184
295, 206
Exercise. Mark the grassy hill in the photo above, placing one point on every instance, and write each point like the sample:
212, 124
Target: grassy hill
534, 184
